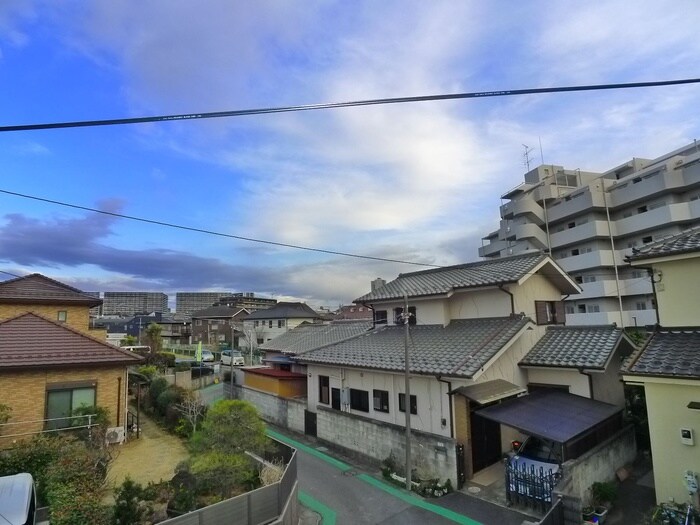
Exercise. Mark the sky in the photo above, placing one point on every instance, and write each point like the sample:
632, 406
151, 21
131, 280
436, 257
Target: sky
417, 182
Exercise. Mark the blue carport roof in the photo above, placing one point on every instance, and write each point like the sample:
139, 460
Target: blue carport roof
551, 414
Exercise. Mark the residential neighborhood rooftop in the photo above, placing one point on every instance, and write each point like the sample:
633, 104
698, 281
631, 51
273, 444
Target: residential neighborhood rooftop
669, 353
440, 281
37, 288
687, 241
459, 349
308, 337
285, 310
588, 347
29, 341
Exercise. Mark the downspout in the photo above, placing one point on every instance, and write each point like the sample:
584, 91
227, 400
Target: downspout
449, 389
590, 381
119, 399
374, 324
512, 299
612, 246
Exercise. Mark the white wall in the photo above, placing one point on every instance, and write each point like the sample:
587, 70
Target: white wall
578, 383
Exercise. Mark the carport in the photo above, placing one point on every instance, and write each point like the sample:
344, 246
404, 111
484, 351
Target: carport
576, 423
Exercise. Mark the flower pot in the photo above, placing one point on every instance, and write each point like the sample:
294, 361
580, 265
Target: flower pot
601, 513
587, 514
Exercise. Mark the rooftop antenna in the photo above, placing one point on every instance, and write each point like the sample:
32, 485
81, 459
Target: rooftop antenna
541, 154
526, 156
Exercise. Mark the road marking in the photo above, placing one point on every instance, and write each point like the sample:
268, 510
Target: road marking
327, 514
407, 497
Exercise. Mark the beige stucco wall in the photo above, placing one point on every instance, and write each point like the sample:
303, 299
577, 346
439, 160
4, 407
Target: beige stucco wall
677, 291
667, 401
25, 393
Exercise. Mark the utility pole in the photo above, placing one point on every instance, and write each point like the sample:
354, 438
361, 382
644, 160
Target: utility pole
407, 398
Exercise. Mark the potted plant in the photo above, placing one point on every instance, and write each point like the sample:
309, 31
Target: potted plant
603, 494
587, 513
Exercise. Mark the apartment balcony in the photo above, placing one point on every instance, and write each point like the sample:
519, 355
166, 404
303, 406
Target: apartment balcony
654, 219
578, 234
531, 232
579, 202
643, 318
524, 207
608, 288
645, 187
585, 261
493, 249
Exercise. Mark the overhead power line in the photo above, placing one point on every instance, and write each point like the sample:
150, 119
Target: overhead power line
211, 232
334, 105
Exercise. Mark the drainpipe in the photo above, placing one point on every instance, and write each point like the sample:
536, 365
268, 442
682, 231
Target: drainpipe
590, 381
374, 324
449, 389
119, 399
612, 246
512, 299
650, 271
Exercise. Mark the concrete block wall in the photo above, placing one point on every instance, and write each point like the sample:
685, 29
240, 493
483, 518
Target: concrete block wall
434, 455
295, 414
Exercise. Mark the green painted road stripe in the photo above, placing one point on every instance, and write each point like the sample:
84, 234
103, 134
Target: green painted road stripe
327, 514
417, 501
309, 450
403, 495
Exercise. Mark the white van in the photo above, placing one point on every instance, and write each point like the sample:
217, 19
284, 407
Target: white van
18, 499
232, 358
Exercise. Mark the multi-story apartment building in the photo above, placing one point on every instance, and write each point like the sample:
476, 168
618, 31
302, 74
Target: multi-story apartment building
589, 222
247, 300
186, 303
131, 303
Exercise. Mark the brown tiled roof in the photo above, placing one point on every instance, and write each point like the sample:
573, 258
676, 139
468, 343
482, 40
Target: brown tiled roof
39, 289
31, 341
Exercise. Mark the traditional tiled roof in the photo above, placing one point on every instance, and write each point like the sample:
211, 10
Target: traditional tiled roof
284, 310
574, 347
311, 336
30, 341
685, 242
39, 289
440, 281
460, 349
216, 312
669, 353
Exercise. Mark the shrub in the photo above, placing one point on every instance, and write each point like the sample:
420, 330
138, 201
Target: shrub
170, 397
70, 505
128, 508
167, 358
156, 388
603, 492
148, 370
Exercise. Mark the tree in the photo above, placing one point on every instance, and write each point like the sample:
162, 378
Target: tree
231, 427
153, 338
191, 409
128, 340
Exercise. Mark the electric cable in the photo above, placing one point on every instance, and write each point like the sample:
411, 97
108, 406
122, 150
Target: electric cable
336, 105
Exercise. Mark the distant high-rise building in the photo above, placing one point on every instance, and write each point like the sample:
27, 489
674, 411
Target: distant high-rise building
247, 300
186, 303
95, 311
589, 222
131, 303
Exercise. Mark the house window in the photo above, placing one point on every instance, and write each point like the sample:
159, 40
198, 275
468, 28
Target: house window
62, 316
402, 403
578, 279
256, 323
359, 400
260, 340
574, 251
594, 308
582, 308
269, 323
636, 274
550, 312
642, 209
570, 309
63, 399
380, 317
280, 323
381, 400
589, 279
324, 390
641, 306
571, 225
398, 315
647, 240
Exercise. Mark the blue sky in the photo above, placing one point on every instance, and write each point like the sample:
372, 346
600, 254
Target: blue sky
418, 182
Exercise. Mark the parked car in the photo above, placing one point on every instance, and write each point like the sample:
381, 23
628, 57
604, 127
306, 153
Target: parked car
533, 469
207, 356
198, 369
232, 358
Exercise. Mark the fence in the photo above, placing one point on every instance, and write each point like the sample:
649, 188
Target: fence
272, 504
530, 486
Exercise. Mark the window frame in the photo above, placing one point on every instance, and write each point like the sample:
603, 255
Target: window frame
413, 400
324, 382
71, 387
359, 400
380, 400
550, 312
62, 316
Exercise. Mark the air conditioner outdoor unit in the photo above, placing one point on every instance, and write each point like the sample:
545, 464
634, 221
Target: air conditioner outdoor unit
115, 435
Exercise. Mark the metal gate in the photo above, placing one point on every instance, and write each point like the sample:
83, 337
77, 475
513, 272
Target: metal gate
530, 486
461, 478
310, 423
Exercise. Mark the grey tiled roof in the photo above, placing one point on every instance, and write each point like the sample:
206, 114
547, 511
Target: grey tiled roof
442, 280
574, 347
311, 336
684, 242
669, 353
460, 349
285, 311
